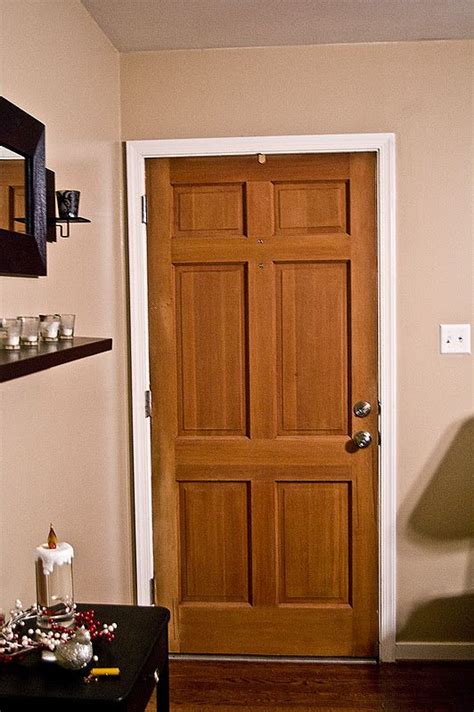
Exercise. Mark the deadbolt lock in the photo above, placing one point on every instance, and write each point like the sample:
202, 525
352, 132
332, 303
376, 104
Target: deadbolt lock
362, 409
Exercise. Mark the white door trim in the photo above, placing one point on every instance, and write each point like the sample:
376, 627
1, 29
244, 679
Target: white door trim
384, 145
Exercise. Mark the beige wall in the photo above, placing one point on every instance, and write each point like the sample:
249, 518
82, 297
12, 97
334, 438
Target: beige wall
422, 92
64, 432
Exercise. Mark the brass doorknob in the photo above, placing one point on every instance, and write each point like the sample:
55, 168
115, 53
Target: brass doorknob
362, 439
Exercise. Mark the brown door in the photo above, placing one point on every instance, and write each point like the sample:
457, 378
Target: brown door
263, 320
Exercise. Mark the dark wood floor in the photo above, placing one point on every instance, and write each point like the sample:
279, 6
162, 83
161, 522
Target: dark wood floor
198, 686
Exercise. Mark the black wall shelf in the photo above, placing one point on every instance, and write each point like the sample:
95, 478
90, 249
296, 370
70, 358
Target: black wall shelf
14, 364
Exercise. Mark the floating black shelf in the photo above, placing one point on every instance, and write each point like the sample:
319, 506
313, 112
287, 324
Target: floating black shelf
60, 222
56, 221
14, 364
70, 220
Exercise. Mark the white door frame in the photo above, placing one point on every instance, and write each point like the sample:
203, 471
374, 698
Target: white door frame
384, 145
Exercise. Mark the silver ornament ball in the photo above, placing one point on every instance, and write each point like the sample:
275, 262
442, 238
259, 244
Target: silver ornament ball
77, 652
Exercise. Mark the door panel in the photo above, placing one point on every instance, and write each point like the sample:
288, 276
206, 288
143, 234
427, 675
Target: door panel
314, 545
209, 210
211, 349
214, 541
263, 319
312, 343
310, 208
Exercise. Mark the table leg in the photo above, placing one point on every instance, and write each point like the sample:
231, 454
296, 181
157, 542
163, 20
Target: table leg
163, 689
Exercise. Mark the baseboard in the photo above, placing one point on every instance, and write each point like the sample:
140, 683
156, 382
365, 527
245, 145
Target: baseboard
434, 651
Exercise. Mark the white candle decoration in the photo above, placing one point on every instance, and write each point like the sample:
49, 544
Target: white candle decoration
54, 582
49, 329
10, 334
66, 330
62, 554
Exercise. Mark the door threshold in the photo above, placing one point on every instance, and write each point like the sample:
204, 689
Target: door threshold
271, 659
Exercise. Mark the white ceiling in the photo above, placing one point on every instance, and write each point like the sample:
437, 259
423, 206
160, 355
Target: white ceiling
141, 25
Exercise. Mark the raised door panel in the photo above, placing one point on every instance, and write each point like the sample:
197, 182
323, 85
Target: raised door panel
314, 542
209, 210
312, 348
211, 357
310, 208
214, 524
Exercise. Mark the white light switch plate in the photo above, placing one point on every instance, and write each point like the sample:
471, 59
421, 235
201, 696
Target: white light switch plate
455, 338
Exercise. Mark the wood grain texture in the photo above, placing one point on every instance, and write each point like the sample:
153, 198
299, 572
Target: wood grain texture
210, 211
263, 318
312, 348
162, 333
314, 542
211, 349
214, 541
310, 208
301, 687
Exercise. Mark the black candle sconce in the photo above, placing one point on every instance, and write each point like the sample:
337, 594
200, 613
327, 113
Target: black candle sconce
68, 210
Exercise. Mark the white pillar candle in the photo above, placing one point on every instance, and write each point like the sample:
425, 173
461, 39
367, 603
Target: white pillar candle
54, 583
62, 554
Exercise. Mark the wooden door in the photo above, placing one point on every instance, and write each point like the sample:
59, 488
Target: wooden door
263, 321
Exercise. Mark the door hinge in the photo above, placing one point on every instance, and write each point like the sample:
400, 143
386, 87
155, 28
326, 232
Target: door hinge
152, 591
144, 209
148, 404
379, 413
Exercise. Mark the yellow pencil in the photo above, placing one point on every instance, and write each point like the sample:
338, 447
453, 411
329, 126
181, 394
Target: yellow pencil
98, 672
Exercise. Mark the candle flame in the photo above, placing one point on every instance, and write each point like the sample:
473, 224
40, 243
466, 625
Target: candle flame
52, 538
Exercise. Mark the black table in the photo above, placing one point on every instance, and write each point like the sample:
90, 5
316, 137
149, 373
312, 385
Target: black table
140, 650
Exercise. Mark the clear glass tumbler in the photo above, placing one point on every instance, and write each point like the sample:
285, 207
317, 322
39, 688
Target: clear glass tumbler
66, 327
10, 334
49, 327
29, 330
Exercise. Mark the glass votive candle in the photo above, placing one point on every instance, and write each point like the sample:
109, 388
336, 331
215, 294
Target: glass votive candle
49, 327
66, 326
29, 330
10, 336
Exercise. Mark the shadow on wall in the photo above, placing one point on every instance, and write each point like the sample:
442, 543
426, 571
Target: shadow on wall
445, 513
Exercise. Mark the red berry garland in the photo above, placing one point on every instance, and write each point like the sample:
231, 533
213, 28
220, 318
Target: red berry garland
15, 643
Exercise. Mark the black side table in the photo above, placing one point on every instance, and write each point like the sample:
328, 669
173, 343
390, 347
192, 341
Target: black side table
140, 650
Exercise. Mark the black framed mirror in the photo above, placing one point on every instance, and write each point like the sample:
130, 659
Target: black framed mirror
23, 217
